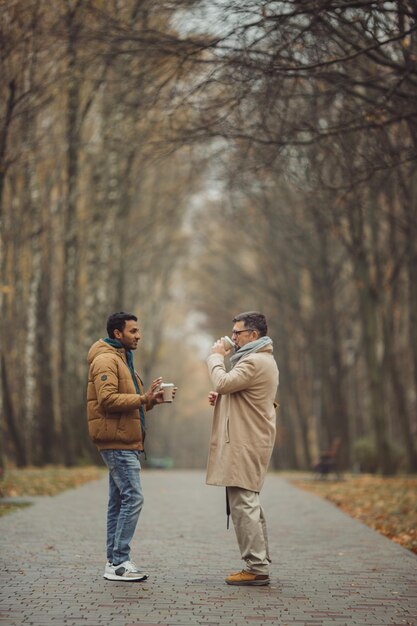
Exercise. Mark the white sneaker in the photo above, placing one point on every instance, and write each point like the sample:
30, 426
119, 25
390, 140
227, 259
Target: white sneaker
126, 571
109, 569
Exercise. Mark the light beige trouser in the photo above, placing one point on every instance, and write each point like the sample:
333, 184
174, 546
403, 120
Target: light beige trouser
250, 527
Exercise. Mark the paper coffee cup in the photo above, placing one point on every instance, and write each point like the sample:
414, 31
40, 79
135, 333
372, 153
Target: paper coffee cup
227, 342
168, 389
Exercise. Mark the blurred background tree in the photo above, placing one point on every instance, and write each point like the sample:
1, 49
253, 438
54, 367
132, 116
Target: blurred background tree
192, 160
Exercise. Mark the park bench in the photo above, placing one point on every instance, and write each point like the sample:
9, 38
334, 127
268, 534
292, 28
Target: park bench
329, 460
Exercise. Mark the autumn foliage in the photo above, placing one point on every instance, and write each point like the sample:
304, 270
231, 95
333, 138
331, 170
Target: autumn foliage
388, 505
46, 481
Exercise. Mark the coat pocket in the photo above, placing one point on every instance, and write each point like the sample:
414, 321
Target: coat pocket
103, 430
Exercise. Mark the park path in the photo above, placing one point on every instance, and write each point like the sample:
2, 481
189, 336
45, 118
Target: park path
327, 568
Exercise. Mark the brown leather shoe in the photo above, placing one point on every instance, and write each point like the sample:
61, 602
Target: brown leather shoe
247, 578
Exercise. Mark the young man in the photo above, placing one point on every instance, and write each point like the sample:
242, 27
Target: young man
243, 436
117, 405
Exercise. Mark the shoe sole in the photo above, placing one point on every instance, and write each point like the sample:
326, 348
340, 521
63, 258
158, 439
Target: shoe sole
252, 583
125, 579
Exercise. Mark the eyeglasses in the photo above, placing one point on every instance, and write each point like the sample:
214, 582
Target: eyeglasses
245, 330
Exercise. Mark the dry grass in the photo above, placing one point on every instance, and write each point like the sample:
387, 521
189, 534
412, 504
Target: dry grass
43, 481
388, 505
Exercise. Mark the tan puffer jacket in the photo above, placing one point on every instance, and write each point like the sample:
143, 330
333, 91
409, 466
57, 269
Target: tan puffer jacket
112, 401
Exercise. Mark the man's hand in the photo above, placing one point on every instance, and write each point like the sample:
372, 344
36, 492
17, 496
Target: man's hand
152, 395
218, 348
212, 397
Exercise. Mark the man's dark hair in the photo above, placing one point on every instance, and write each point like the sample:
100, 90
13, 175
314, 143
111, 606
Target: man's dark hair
118, 321
253, 319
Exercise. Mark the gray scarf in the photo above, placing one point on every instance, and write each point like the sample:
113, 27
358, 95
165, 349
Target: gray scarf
249, 348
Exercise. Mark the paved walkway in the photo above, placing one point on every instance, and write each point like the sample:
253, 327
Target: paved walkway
327, 568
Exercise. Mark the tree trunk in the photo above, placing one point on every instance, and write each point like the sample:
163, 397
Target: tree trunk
4, 134
328, 322
402, 413
375, 374
48, 444
412, 270
10, 418
30, 423
288, 457
391, 304
69, 383
368, 309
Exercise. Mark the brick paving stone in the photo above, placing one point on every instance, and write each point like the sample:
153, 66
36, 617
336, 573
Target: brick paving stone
327, 569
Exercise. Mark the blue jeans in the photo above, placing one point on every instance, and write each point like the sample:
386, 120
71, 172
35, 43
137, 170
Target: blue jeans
125, 502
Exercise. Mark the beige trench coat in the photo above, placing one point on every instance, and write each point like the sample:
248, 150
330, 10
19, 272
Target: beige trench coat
243, 432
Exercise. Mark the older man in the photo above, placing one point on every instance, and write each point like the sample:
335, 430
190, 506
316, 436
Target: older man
243, 436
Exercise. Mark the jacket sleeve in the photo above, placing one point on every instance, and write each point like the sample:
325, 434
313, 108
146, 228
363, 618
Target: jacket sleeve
239, 378
105, 378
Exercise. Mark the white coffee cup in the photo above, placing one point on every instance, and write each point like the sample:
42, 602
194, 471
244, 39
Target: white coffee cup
227, 343
168, 389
